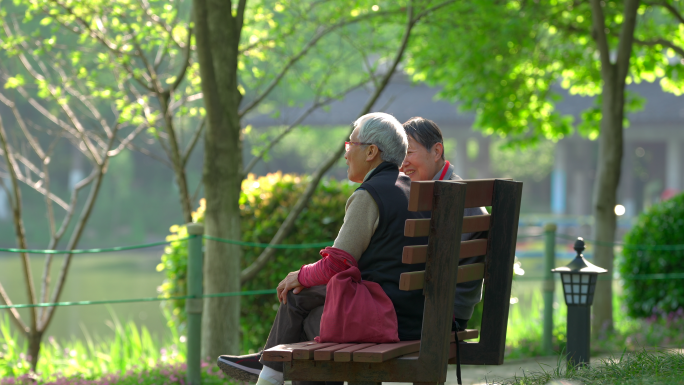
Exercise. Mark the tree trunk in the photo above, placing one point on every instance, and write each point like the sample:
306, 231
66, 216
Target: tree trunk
614, 77
34, 338
605, 198
217, 49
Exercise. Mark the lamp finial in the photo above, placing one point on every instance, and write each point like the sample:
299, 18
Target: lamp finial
579, 246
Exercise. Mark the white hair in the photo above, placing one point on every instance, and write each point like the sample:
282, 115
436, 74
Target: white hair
384, 131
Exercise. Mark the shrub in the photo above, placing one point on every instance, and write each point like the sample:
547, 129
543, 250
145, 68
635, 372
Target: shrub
264, 205
661, 225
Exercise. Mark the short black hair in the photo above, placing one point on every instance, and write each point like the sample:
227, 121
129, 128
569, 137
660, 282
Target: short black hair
424, 131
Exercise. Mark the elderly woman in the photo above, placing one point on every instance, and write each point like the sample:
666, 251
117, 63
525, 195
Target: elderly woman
425, 161
372, 234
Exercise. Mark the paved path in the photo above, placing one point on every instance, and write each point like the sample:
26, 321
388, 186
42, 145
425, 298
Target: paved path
476, 374
485, 375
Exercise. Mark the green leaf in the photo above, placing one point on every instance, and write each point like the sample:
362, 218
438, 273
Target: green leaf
14, 82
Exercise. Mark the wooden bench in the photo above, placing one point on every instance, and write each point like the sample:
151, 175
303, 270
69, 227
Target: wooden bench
425, 360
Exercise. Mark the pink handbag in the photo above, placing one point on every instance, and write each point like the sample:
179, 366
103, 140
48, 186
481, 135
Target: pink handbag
357, 311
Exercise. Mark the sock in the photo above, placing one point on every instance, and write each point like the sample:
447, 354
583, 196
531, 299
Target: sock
269, 376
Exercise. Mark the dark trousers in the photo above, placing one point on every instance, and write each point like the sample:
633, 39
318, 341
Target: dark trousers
298, 320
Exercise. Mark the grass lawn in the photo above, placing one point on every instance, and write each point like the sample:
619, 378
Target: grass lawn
642, 367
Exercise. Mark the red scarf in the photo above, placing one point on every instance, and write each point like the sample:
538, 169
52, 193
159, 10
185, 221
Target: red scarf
444, 171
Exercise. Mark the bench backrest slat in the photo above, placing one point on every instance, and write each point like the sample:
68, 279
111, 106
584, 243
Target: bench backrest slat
416, 279
471, 224
418, 253
479, 193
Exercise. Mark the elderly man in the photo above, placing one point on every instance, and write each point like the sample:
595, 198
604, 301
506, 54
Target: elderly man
425, 161
372, 234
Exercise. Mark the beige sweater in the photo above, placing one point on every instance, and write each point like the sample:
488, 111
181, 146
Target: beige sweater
361, 217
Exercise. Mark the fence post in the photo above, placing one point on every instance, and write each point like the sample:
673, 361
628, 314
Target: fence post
193, 306
549, 285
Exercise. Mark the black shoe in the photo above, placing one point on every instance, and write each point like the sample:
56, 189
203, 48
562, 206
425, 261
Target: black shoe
241, 368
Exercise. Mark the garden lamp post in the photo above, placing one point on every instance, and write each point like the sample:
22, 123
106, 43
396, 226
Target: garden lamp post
579, 281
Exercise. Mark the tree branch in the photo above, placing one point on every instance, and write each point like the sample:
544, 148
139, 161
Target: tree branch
150, 154
78, 230
22, 125
599, 34
185, 99
42, 190
252, 270
67, 218
44, 111
57, 236
16, 317
674, 11
193, 142
663, 42
626, 39
186, 63
111, 47
65, 107
240, 17
294, 59
127, 140
296, 123
18, 223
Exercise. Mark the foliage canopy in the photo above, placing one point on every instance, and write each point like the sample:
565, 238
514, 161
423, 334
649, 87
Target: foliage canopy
513, 75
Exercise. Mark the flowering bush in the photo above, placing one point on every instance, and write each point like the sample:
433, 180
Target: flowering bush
264, 204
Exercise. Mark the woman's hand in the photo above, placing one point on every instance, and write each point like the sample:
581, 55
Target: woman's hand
291, 282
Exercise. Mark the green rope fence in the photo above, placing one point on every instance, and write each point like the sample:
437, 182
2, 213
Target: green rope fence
93, 251
303, 245
290, 246
273, 291
146, 299
626, 245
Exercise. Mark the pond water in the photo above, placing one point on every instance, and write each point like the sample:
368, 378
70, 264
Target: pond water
106, 276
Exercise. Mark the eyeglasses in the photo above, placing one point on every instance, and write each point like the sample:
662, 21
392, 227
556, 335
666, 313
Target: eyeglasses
347, 145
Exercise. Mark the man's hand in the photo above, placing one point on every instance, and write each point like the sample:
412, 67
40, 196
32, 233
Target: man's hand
291, 282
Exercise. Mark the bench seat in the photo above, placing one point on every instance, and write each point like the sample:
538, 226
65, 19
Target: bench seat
359, 352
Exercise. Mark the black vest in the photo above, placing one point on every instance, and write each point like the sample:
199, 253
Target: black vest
381, 262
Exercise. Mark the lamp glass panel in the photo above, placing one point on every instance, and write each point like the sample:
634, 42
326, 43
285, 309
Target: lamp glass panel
566, 278
593, 278
576, 298
575, 289
568, 289
583, 299
568, 299
585, 278
585, 289
575, 278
